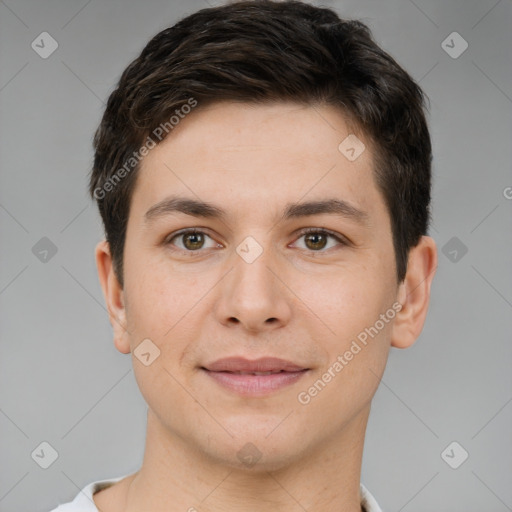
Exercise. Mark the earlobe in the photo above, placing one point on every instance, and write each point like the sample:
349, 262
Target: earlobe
414, 293
114, 296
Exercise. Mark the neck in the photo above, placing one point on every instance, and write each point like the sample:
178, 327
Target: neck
175, 476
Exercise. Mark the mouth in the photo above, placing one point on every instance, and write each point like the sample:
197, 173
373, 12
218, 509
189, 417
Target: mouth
254, 378
254, 373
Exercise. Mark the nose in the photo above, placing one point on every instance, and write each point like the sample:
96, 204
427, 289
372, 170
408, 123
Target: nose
254, 294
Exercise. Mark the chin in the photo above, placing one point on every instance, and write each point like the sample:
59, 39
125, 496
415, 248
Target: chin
257, 451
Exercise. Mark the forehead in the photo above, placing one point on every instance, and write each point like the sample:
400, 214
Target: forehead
246, 156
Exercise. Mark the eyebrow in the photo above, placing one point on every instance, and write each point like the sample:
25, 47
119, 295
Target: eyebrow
203, 209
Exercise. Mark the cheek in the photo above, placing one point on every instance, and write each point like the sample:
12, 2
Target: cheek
161, 310
164, 307
347, 302
351, 308
356, 349
161, 300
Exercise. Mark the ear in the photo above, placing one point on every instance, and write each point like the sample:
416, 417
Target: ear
414, 293
113, 294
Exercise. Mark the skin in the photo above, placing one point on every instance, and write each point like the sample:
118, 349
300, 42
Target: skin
252, 161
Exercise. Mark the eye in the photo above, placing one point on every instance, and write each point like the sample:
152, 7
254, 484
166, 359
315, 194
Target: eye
316, 239
192, 240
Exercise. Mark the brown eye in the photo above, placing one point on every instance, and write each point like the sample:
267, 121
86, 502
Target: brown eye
190, 240
193, 241
315, 241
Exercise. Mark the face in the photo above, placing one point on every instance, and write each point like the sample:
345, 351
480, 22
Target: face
246, 280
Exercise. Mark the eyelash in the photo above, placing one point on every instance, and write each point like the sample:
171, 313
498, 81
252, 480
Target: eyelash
306, 231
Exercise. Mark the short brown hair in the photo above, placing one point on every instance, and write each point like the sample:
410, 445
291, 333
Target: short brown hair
265, 51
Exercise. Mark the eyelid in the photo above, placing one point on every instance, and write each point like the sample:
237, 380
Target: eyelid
337, 236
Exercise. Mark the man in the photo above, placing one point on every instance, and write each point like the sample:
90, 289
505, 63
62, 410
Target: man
263, 175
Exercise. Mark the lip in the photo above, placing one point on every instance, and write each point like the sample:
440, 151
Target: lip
263, 364
226, 372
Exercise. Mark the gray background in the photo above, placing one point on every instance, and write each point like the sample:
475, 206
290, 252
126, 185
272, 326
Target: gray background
63, 382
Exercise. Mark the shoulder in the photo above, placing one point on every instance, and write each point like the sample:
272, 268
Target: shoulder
83, 501
368, 502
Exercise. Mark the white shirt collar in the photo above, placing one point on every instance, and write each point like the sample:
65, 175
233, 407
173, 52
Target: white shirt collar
84, 502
